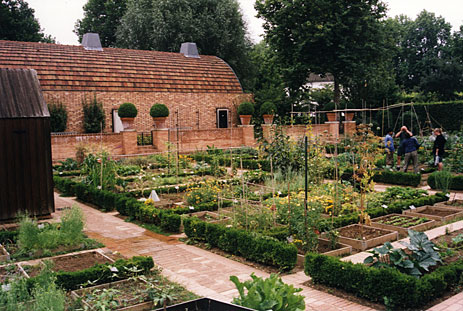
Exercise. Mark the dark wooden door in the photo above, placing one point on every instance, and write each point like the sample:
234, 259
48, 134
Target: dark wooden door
222, 118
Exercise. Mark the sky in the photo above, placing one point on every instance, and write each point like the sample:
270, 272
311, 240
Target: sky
57, 17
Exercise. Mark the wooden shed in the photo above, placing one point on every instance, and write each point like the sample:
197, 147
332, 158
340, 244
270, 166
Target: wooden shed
26, 183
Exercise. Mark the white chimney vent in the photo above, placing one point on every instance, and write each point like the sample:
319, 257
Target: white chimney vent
189, 49
91, 42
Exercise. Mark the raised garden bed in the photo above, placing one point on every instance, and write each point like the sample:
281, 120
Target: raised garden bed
371, 237
31, 270
9, 272
437, 213
79, 261
4, 255
210, 217
127, 295
324, 247
402, 223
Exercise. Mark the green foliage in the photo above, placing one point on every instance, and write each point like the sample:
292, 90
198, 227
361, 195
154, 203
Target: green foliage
421, 255
398, 178
127, 110
444, 180
268, 108
246, 108
100, 171
101, 17
250, 245
17, 23
159, 110
68, 165
58, 117
268, 294
94, 117
217, 27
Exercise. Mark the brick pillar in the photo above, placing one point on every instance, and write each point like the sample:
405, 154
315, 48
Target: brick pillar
267, 131
129, 142
334, 128
350, 128
248, 135
160, 139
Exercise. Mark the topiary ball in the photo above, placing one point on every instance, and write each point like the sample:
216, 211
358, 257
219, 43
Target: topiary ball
246, 108
159, 110
268, 108
127, 110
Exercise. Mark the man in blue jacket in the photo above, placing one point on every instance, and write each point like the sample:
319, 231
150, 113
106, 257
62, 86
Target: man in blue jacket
410, 146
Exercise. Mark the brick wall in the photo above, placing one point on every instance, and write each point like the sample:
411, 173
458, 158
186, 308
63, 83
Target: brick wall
194, 110
327, 131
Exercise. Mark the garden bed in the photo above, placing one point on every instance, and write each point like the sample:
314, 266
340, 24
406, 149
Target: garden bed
12, 271
210, 217
324, 247
80, 261
31, 270
437, 213
402, 223
4, 255
352, 235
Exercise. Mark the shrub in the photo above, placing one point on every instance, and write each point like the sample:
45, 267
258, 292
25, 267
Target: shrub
94, 117
444, 181
268, 108
127, 110
246, 108
170, 222
398, 178
58, 117
268, 294
159, 110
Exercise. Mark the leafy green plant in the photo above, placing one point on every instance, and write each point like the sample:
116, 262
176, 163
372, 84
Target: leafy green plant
268, 108
268, 294
100, 171
423, 255
94, 117
246, 108
127, 110
441, 180
159, 110
68, 165
58, 117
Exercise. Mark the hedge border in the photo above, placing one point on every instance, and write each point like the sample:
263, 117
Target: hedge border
456, 183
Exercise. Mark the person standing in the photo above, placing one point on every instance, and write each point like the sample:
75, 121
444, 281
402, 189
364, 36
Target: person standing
410, 147
402, 134
438, 149
389, 144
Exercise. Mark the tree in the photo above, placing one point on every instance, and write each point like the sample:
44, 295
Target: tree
344, 38
94, 117
102, 17
17, 23
216, 26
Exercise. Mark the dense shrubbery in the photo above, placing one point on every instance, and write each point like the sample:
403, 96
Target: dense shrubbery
159, 111
438, 180
58, 117
246, 108
127, 110
255, 247
268, 108
94, 117
398, 178
377, 285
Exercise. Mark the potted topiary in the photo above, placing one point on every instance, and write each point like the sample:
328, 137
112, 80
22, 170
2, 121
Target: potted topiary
159, 112
349, 115
127, 112
330, 115
267, 110
245, 111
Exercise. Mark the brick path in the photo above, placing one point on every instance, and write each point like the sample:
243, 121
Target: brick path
207, 274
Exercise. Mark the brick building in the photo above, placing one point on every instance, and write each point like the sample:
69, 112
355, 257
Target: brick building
201, 92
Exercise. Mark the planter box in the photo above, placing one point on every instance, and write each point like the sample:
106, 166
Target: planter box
4, 255
205, 304
84, 292
343, 249
245, 119
5, 275
402, 230
268, 118
388, 235
428, 211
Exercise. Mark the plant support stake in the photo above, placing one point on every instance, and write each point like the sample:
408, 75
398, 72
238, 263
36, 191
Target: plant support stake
305, 185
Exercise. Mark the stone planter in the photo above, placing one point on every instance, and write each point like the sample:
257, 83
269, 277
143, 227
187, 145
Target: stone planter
159, 122
403, 231
341, 250
4, 255
386, 236
437, 213
268, 118
349, 116
331, 116
245, 119
127, 123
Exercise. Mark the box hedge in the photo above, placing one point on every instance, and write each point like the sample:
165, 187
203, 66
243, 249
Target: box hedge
252, 246
456, 182
401, 290
387, 177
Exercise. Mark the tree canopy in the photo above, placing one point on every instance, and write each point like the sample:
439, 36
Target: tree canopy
216, 26
17, 23
344, 38
102, 17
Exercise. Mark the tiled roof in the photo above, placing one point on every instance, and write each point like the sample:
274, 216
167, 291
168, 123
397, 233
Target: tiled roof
72, 68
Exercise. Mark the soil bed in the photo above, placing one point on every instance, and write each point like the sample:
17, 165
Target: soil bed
71, 263
32, 270
10, 272
353, 232
450, 251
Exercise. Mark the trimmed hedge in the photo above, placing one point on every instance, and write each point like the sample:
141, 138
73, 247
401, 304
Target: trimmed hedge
100, 273
375, 284
456, 182
251, 164
252, 246
398, 178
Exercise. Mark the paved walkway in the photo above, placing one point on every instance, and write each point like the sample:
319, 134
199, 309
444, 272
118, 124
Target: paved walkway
202, 272
207, 274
